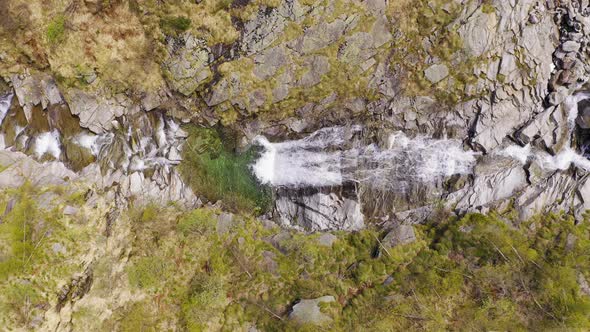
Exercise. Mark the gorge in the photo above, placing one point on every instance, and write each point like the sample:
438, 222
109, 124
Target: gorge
294, 165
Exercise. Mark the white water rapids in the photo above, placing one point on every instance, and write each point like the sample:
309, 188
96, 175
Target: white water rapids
329, 157
564, 158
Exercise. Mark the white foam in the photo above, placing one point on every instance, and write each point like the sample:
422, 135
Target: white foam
48, 143
565, 158
87, 141
324, 159
519, 153
5, 106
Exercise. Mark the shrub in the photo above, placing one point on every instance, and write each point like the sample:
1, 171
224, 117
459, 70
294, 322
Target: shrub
56, 29
175, 25
148, 272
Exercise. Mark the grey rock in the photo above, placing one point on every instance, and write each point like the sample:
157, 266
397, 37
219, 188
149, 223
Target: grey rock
269, 61
323, 34
570, 46
478, 33
327, 239
436, 73
583, 283
583, 119
225, 221
308, 311
319, 212
38, 89
70, 210
316, 66
58, 248
399, 235
188, 65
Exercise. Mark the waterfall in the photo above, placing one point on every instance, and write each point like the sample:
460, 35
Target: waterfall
564, 158
332, 157
48, 143
5, 102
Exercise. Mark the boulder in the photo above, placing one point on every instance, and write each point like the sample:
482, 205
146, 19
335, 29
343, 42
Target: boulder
399, 235
436, 73
308, 311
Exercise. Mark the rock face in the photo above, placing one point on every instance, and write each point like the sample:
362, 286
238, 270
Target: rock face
505, 78
318, 211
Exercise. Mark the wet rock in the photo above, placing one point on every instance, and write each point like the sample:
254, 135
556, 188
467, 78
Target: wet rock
436, 73
308, 311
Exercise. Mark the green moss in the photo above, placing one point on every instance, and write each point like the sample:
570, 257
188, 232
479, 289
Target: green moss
487, 7
213, 170
147, 272
474, 273
56, 29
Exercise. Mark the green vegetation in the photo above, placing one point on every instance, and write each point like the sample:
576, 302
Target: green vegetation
34, 241
202, 270
213, 170
56, 29
173, 25
474, 273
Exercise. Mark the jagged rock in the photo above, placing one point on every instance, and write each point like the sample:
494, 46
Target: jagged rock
323, 34
32, 90
269, 61
319, 212
479, 32
308, 311
436, 73
97, 112
269, 24
188, 64
316, 66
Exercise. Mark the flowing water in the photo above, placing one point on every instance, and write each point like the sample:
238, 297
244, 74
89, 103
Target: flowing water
5, 102
564, 158
334, 156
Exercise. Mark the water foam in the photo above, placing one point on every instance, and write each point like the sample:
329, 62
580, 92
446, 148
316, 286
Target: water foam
561, 161
48, 143
5, 102
330, 157
564, 158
